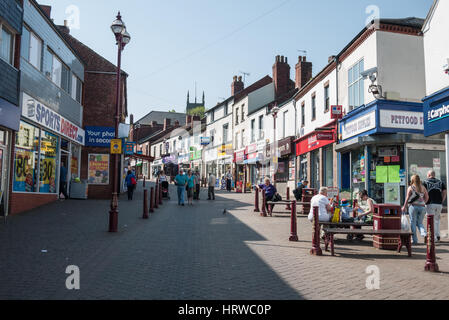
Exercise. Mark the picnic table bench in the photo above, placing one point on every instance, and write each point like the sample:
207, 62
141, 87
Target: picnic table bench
286, 202
404, 236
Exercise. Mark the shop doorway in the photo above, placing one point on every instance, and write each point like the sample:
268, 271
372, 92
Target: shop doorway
3, 182
64, 159
315, 166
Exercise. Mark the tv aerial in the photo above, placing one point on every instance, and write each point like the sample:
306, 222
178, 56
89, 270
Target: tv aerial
244, 75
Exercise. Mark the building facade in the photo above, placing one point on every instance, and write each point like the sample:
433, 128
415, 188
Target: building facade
51, 92
11, 16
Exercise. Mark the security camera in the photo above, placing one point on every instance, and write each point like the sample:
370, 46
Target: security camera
370, 73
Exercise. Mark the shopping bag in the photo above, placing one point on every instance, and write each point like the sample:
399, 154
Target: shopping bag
336, 217
405, 222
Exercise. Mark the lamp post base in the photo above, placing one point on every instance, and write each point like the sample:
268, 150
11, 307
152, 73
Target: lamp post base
113, 214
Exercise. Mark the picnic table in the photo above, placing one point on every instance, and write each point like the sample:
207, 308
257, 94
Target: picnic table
404, 237
286, 202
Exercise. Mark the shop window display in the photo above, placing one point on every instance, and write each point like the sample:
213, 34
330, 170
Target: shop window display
358, 170
48, 168
26, 158
421, 161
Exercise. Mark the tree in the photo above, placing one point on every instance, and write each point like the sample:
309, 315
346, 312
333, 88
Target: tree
198, 111
172, 111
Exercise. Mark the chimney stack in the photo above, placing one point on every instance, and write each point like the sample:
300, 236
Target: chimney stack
303, 72
131, 119
281, 76
153, 124
188, 119
46, 9
65, 28
237, 85
176, 124
166, 123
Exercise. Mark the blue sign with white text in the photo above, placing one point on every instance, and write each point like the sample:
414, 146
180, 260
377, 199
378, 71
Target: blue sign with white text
99, 136
436, 113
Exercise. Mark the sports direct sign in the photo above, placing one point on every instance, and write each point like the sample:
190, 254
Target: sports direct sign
41, 114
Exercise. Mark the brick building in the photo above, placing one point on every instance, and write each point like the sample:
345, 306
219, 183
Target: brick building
99, 115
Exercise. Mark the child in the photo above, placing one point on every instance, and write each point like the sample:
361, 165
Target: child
346, 211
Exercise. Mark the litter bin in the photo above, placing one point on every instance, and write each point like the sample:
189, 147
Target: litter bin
386, 217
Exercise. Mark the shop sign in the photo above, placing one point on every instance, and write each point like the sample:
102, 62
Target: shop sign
261, 145
436, 113
387, 152
170, 159
251, 148
157, 162
129, 148
183, 158
360, 125
225, 150
205, 141
195, 155
336, 112
240, 156
397, 119
285, 147
37, 112
116, 146
314, 142
98, 168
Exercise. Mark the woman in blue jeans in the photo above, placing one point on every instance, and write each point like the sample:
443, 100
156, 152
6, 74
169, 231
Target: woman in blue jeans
416, 200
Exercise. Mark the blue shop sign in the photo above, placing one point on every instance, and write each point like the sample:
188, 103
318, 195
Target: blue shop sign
99, 136
436, 113
9, 115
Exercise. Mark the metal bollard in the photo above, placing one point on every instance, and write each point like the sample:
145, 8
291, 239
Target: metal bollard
431, 262
288, 207
156, 197
256, 201
152, 200
160, 195
294, 225
145, 204
316, 249
264, 204
144, 180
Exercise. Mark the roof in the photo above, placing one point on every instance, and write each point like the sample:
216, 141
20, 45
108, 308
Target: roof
159, 117
256, 85
412, 22
220, 104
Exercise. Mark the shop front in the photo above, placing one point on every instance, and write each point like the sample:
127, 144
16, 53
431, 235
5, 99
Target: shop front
156, 167
225, 156
196, 159
184, 162
210, 159
171, 165
284, 176
240, 170
315, 157
9, 124
252, 164
382, 145
44, 142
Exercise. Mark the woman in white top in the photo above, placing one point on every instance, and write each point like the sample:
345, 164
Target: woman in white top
416, 200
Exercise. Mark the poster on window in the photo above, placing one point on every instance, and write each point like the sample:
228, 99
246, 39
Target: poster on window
392, 193
74, 166
47, 182
98, 169
23, 170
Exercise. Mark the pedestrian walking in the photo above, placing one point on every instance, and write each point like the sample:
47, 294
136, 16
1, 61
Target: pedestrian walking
180, 182
437, 194
63, 181
131, 183
197, 185
211, 187
162, 177
190, 186
415, 201
228, 181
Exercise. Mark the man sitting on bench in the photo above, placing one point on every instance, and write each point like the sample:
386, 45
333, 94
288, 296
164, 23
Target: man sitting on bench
270, 192
322, 202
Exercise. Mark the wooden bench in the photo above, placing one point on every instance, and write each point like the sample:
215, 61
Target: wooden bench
404, 236
285, 202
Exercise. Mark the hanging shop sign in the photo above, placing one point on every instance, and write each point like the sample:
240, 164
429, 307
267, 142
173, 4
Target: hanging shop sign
357, 126
285, 147
398, 119
436, 113
205, 141
129, 148
336, 112
43, 115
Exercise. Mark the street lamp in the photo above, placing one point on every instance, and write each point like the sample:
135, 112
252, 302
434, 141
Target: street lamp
274, 112
123, 38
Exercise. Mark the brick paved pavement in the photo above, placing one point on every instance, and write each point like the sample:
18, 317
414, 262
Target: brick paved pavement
195, 253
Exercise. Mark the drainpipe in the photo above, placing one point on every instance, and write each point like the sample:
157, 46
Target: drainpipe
296, 137
338, 125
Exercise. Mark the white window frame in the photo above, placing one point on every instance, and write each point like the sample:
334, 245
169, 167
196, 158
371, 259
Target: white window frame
13, 44
359, 81
33, 34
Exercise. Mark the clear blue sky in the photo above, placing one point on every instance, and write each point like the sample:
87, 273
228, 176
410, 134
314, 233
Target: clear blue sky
177, 42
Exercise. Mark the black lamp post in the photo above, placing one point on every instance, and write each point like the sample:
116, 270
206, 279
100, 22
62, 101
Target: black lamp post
123, 38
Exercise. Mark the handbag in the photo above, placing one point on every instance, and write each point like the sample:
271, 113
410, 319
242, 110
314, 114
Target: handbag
415, 196
277, 197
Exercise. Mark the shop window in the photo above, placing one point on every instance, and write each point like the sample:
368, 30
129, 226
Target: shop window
26, 158
326, 99
315, 169
48, 156
328, 166
422, 161
358, 167
74, 163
